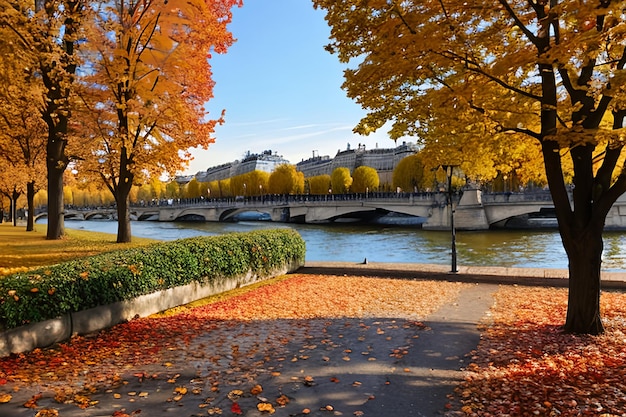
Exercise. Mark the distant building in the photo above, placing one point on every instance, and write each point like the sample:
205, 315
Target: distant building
266, 161
316, 165
383, 161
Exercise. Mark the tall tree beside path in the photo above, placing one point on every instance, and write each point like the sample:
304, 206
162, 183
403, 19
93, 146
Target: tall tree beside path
144, 100
23, 132
454, 71
48, 33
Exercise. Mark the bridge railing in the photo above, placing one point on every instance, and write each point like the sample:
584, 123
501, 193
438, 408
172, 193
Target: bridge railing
436, 198
509, 197
281, 199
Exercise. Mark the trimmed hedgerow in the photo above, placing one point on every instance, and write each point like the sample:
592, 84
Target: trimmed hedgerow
50, 292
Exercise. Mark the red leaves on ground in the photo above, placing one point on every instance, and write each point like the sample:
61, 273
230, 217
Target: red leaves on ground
527, 366
235, 409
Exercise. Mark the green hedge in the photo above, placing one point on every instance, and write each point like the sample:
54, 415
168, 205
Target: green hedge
77, 285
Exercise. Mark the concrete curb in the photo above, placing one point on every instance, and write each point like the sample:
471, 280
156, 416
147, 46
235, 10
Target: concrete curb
48, 332
491, 275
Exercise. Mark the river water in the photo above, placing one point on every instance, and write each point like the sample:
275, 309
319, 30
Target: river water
394, 244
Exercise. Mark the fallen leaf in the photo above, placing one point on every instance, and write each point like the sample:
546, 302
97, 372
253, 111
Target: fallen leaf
32, 402
236, 409
266, 408
47, 412
282, 400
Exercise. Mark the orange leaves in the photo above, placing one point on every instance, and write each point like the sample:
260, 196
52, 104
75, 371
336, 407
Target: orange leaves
526, 363
220, 334
282, 401
304, 296
32, 402
266, 407
47, 412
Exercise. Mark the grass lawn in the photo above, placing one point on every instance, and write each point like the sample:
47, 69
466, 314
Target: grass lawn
22, 250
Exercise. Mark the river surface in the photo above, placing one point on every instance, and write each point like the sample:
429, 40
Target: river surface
394, 244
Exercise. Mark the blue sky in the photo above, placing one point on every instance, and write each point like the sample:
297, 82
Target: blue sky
281, 89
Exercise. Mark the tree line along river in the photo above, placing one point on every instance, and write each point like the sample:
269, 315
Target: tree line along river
344, 242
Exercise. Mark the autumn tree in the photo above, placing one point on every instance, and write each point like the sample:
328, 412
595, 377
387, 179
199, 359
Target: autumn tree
224, 188
319, 184
213, 189
13, 184
364, 179
144, 102
259, 182
285, 179
340, 180
192, 189
552, 71
410, 174
172, 190
47, 33
22, 130
250, 184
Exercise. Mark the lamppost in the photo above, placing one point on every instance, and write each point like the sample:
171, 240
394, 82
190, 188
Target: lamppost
449, 169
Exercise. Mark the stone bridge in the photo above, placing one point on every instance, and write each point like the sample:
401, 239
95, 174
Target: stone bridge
473, 210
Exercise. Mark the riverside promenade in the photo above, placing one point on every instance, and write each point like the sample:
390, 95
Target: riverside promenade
324, 366
476, 274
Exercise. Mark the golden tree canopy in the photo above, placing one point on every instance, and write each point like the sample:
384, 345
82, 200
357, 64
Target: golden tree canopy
146, 97
470, 78
364, 179
319, 184
341, 180
286, 180
465, 79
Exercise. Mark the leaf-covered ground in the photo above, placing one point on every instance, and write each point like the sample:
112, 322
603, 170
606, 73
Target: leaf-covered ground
321, 346
215, 355
525, 365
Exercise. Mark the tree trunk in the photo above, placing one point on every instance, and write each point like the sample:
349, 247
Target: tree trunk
13, 216
584, 252
30, 198
122, 196
56, 221
123, 220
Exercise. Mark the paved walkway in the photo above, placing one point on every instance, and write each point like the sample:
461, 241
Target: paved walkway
371, 367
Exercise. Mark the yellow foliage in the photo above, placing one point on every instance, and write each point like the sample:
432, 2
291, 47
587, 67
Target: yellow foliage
286, 180
341, 180
479, 86
319, 184
364, 179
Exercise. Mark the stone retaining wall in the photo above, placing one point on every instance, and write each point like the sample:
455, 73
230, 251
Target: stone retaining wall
49, 332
